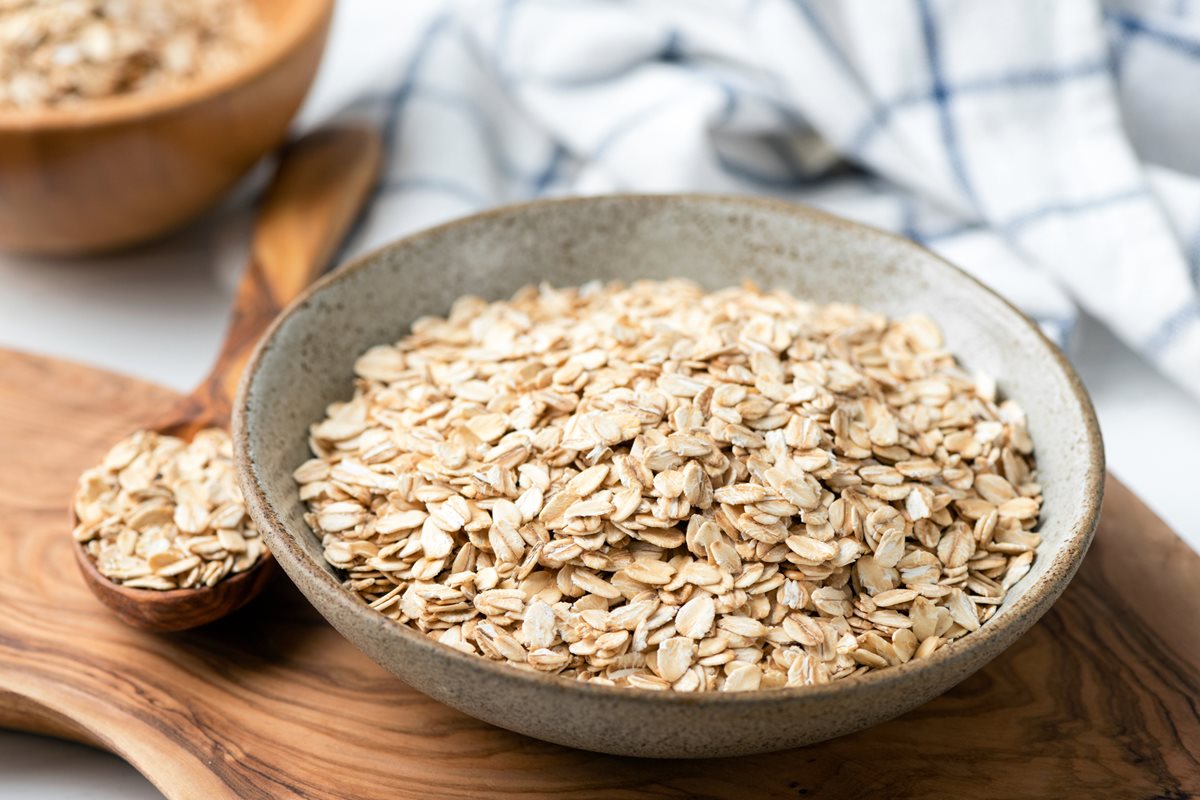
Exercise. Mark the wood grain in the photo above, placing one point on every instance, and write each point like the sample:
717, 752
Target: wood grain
107, 174
1099, 700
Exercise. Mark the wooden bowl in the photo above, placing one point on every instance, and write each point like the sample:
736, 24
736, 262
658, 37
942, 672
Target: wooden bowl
117, 171
306, 359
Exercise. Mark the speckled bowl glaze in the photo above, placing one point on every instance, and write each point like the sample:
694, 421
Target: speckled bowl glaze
306, 361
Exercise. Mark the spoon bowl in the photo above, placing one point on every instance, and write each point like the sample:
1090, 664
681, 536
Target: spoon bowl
322, 181
175, 609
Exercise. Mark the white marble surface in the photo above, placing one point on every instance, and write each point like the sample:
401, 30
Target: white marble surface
158, 313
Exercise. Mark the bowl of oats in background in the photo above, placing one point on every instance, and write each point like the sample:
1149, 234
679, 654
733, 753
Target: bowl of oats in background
123, 119
330, 399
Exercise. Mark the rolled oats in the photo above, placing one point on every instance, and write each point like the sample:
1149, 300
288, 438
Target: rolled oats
55, 52
161, 513
658, 487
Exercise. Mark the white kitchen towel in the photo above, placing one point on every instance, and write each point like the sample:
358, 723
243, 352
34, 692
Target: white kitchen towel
1052, 149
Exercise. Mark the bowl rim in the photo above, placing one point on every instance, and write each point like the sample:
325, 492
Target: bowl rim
280, 41
1027, 608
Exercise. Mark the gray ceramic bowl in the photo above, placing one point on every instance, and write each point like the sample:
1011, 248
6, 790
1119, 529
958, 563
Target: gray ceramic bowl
305, 361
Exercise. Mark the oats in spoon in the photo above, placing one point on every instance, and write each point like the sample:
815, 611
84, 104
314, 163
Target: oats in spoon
162, 513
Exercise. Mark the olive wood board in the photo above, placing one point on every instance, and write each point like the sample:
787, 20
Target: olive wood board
1101, 699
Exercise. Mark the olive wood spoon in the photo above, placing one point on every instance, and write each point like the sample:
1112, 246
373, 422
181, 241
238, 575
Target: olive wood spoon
321, 183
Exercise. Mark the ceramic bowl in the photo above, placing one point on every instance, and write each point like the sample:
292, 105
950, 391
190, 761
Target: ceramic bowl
116, 171
305, 362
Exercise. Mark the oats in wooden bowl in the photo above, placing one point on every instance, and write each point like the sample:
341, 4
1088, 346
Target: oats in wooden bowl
122, 119
56, 52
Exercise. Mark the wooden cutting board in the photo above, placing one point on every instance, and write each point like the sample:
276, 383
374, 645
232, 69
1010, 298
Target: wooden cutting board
1099, 700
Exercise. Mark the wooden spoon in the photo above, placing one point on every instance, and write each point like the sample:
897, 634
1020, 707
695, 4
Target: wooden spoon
320, 185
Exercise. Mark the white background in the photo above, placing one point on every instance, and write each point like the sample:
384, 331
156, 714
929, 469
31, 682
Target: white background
158, 313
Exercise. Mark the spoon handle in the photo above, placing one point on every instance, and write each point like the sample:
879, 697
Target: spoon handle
322, 181
310, 206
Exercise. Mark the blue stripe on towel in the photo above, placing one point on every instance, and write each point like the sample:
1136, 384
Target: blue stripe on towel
1038, 214
941, 97
1172, 326
1015, 224
395, 102
548, 174
1044, 78
825, 37
1172, 39
399, 97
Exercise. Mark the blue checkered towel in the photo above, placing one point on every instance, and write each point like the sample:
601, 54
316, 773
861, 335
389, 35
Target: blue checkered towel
1051, 148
